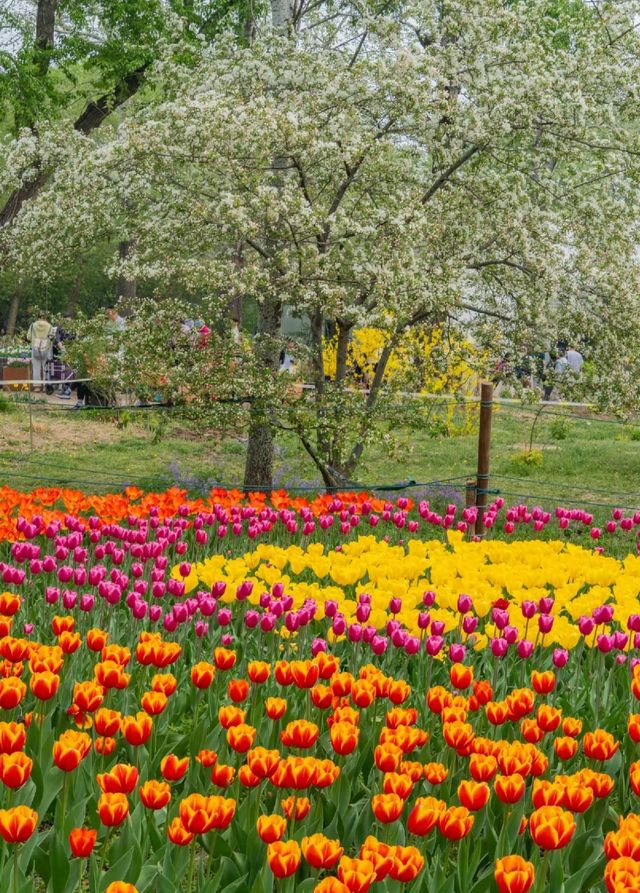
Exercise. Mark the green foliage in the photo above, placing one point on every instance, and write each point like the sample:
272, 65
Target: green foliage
560, 429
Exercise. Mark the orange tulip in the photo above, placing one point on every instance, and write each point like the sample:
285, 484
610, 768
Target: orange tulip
571, 727
548, 717
634, 778
258, 671
623, 842
70, 749
271, 828
482, 768
531, 731
546, 793
155, 794
69, 642
82, 842
12, 691
229, 716
407, 864
178, 834
509, 788
387, 757
300, 733
424, 816
363, 694
118, 653
44, 685
543, 683
136, 729
633, 727
121, 887
15, 769
62, 624
241, 737
17, 824
458, 735
344, 737
356, 874
379, 854
105, 746
330, 884
97, 639
497, 712
263, 762
322, 697
455, 822
577, 797
599, 745
110, 674
173, 768
341, 684
12, 737
153, 702
435, 773
246, 777
87, 696
397, 783
197, 813
164, 682
473, 794
565, 747
113, 809
321, 852
296, 806
238, 690
622, 874
9, 603
304, 673
207, 758
120, 779
551, 827
275, 707
513, 874
600, 783
202, 674
224, 658
107, 722
387, 807
283, 858
461, 676
222, 775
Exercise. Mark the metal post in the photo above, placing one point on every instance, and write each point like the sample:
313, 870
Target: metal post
484, 453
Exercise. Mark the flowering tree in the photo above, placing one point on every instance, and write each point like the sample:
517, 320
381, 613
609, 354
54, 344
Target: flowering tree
434, 164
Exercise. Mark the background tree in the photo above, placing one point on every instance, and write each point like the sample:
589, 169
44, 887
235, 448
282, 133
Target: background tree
425, 165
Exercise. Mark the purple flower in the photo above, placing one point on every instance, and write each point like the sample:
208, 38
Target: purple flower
499, 647
525, 649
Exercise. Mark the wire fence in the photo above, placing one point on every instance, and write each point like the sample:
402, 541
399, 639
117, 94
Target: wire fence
519, 429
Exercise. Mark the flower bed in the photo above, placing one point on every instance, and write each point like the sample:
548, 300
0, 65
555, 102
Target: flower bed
442, 715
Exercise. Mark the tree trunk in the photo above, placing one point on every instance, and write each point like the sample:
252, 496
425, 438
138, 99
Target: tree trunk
258, 470
12, 315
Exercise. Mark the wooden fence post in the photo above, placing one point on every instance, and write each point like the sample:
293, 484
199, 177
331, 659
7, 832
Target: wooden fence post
484, 453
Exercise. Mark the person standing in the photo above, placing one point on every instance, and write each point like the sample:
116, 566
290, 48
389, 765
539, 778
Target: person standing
575, 360
40, 336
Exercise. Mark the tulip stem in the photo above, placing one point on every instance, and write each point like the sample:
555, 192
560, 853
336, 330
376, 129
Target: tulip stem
542, 873
192, 862
15, 869
105, 847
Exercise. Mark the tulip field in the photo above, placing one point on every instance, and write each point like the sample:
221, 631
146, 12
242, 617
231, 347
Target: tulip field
265, 694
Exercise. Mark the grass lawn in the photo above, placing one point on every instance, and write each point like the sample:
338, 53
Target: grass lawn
575, 461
